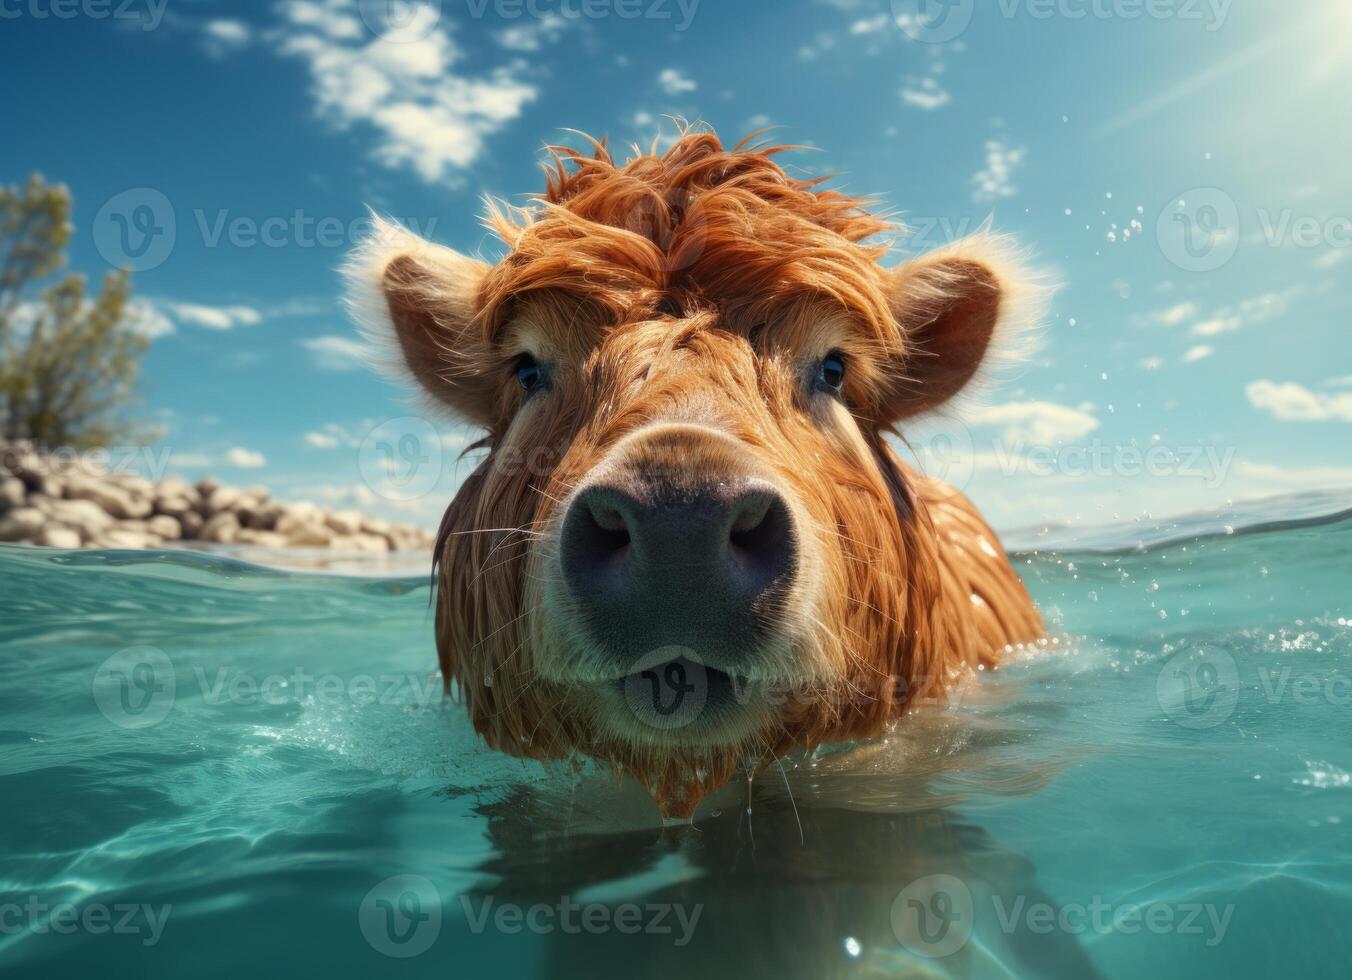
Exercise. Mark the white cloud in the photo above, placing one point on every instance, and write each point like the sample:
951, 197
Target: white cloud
224, 36
333, 353
1039, 423
996, 181
925, 94
211, 317
870, 25
426, 116
147, 319
1173, 316
1332, 258
1153, 363
1199, 353
1291, 402
322, 440
246, 459
675, 82
1259, 309
532, 35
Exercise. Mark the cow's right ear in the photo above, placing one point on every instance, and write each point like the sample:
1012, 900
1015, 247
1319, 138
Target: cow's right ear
417, 302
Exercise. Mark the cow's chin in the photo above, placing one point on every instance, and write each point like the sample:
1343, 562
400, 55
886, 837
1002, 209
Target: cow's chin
682, 704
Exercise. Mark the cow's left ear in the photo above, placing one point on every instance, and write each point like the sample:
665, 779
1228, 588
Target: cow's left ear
961, 312
416, 303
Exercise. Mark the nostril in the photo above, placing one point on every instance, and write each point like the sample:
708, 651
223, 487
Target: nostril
603, 529
608, 518
761, 535
596, 538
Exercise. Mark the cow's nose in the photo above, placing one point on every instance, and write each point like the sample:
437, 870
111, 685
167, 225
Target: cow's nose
700, 567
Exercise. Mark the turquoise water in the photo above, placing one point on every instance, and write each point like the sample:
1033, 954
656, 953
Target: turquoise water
209, 768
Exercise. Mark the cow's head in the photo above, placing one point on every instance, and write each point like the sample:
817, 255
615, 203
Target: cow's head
689, 545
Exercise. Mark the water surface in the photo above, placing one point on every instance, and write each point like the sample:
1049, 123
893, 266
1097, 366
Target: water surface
210, 767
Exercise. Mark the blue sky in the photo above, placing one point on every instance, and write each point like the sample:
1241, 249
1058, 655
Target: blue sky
1179, 166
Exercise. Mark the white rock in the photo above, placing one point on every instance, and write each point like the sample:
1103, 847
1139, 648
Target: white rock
166, 527
134, 484
56, 536
308, 535
84, 516
262, 539
126, 539
220, 500
221, 529
298, 515
344, 522
21, 524
113, 499
12, 492
191, 522
375, 525
175, 486
265, 516
174, 506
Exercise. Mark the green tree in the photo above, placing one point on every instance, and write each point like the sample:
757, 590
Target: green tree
68, 361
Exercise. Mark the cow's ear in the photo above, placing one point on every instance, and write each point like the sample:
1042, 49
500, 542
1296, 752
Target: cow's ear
961, 312
417, 304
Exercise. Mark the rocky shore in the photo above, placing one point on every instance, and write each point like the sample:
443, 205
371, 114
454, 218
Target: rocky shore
66, 500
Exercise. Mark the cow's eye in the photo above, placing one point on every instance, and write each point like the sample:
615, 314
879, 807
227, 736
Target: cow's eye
529, 374
831, 373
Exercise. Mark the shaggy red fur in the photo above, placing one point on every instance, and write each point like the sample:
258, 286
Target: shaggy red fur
695, 286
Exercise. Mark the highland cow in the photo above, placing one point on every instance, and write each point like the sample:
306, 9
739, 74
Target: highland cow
690, 547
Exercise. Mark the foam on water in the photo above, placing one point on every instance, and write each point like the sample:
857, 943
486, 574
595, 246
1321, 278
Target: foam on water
1179, 761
